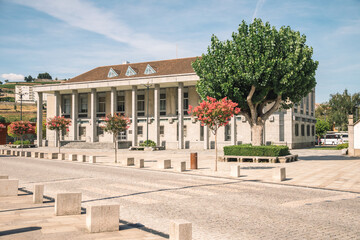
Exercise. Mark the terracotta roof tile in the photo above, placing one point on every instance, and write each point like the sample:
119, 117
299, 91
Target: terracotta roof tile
164, 67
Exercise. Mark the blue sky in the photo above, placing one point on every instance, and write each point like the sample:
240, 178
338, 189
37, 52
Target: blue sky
69, 37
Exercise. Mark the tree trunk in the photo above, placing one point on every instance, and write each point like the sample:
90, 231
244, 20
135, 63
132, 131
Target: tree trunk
21, 143
58, 139
115, 147
257, 131
216, 152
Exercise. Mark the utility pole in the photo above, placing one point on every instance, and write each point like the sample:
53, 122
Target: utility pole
147, 113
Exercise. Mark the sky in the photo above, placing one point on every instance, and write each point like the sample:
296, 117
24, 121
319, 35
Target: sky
69, 37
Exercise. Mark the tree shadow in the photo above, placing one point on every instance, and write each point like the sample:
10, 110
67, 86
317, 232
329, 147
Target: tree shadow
19, 230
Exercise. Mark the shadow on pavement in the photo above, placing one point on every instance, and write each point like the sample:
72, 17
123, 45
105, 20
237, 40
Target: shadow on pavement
19, 230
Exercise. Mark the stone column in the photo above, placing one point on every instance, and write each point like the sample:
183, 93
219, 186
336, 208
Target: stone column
206, 137
351, 135
39, 115
134, 114
181, 114
93, 114
233, 130
74, 114
113, 101
57, 103
157, 113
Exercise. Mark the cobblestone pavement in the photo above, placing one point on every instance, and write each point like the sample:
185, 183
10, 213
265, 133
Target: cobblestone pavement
21, 219
219, 208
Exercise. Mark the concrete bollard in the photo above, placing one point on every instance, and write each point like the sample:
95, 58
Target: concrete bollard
38, 194
13, 152
61, 156
129, 161
34, 154
8, 187
4, 177
164, 164
81, 158
52, 155
181, 167
92, 159
180, 230
104, 218
235, 171
279, 174
140, 163
18, 153
72, 157
41, 155
67, 204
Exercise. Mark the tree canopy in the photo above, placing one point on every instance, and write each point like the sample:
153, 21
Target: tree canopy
44, 76
322, 127
259, 66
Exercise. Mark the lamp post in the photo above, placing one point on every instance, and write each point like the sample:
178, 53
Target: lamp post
147, 113
21, 94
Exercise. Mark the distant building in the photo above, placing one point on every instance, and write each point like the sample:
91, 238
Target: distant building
122, 89
27, 93
354, 137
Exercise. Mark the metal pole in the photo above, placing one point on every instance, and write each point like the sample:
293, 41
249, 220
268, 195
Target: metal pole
147, 116
21, 106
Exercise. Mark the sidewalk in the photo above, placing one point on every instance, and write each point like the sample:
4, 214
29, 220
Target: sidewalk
21, 219
316, 168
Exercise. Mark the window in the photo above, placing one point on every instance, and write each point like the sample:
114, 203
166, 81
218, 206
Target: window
122, 136
162, 102
130, 72
140, 130
141, 104
296, 129
308, 130
201, 133
307, 105
227, 133
66, 106
312, 103
112, 73
162, 130
302, 130
99, 131
101, 107
186, 101
82, 131
149, 70
302, 106
83, 105
185, 131
121, 102
312, 130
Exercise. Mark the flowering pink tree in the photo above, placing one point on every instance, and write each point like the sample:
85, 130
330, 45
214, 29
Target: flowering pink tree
19, 129
115, 125
58, 124
214, 114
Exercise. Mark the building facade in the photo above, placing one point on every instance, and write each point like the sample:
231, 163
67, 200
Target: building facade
27, 94
155, 96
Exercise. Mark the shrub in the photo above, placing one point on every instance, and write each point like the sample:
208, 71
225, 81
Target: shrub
342, 146
148, 143
18, 142
249, 150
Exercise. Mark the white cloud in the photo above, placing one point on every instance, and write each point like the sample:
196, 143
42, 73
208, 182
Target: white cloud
259, 4
83, 14
12, 76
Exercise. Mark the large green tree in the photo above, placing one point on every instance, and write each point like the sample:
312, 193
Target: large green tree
44, 76
340, 106
260, 68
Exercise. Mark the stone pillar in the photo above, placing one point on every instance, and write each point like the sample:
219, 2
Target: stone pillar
181, 114
351, 135
113, 101
74, 114
206, 137
93, 114
157, 113
233, 130
57, 113
134, 114
39, 115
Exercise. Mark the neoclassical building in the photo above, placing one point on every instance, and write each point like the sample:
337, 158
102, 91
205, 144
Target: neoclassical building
155, 96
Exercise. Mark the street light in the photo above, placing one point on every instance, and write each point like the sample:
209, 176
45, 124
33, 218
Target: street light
147, 113
21, 94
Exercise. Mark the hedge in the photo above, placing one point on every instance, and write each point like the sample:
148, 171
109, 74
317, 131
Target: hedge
248, 150
342, 146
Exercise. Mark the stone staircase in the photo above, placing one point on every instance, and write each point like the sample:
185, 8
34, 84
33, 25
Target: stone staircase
86, 145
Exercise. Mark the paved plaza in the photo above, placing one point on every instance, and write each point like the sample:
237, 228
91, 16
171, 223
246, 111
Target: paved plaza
219, 207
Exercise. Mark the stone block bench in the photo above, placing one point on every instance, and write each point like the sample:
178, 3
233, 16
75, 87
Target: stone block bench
144, 148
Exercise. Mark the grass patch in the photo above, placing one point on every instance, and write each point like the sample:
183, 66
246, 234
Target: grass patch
324, 148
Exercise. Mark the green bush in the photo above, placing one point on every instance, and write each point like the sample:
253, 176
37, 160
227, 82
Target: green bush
249, 150
7, 99
148, 143
342, 146
18, 142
